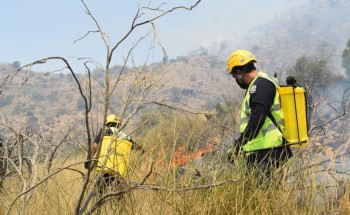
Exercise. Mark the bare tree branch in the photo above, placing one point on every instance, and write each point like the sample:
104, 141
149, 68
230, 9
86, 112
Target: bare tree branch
42, 181
64, 140
135, 25
97, 25
85, 36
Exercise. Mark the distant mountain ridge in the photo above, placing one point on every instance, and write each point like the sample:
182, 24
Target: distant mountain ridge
300, 31
199, 80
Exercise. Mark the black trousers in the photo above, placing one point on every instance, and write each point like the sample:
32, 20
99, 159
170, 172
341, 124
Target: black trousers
264, 162
108, 181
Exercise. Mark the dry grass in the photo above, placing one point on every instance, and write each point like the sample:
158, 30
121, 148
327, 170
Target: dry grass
57, 195
302, 191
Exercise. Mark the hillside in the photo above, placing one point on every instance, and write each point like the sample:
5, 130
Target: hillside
198, 81
184, 165
39, 99
281, 41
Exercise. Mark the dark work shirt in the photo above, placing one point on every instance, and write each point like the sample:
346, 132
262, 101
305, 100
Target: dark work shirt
98, 138
261, 100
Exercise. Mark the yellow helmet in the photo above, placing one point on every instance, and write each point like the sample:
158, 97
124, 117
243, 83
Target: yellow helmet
112, 118
239, 58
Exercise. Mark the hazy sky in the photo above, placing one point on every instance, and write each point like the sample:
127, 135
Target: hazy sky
31, 30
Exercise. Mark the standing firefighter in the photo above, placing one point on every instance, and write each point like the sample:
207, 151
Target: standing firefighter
261, 141
114, 154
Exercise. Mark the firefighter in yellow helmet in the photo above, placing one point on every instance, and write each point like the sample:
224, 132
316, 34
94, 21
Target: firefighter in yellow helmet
109, 170
260, 140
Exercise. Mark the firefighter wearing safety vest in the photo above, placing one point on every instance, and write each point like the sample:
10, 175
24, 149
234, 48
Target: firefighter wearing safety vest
260, 139
114, 153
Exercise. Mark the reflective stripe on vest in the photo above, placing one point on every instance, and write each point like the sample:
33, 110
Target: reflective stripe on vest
269, 135
121, 135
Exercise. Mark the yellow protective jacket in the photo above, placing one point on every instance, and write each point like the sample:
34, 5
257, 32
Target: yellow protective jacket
269, 135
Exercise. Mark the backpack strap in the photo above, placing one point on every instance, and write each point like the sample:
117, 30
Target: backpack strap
277, 126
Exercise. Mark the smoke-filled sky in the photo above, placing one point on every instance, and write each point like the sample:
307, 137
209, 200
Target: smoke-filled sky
31, 30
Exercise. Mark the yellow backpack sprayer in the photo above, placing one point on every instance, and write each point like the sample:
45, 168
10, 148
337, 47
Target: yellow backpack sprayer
294, 107
114, 156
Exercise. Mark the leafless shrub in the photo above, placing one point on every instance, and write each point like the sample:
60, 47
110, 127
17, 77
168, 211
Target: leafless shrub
134, 89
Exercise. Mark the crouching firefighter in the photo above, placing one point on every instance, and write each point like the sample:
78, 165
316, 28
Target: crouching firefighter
114, 154
260, 140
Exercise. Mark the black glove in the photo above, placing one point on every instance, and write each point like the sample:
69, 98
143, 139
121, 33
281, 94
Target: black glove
87, 164
233, 152
143, 151
239, 142
230, 156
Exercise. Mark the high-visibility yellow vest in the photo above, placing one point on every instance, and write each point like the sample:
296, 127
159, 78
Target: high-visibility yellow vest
269, 135
114, 155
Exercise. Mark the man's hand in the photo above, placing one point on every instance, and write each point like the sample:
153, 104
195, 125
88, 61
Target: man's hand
230, 156
233, 152
238, 142
87, 164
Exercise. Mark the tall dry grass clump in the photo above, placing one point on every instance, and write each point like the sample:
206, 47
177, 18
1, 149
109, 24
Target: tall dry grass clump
207, 184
